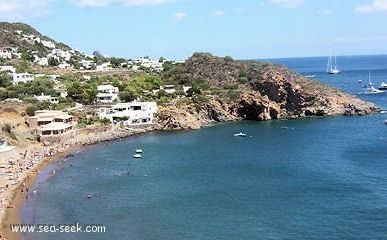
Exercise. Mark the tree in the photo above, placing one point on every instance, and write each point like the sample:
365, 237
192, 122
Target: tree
26, 56
5, 79
116, 62
167, 65
89, 93
24, 66
127, 96
75, 91
53, 62
3, 94
146, 83
82, 92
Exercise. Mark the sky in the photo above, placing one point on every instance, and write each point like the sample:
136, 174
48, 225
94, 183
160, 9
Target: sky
175, 29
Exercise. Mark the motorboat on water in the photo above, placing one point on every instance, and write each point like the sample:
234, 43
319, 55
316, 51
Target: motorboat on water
137, 155
139, 150
240, 134
369, 88
383, 86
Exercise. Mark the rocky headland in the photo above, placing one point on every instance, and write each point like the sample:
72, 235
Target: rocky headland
251, 90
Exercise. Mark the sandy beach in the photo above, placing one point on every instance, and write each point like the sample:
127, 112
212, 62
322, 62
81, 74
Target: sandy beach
21, 166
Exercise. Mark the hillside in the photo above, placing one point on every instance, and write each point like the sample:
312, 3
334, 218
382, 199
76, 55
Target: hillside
11, 36
251, 90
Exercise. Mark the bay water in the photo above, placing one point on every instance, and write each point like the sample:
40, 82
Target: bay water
311, 178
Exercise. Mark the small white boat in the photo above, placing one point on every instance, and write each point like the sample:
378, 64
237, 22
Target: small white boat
137, 155
139, 150
385, 121
240, 134
370, 89
383, 86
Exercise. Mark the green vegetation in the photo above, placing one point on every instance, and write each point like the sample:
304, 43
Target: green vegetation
82, 92
5, 79
28, 89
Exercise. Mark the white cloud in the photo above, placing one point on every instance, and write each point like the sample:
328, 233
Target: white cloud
11, 10
220, 13
326, 11
288, 3
367, 39
180, 15
375, 6
103, 3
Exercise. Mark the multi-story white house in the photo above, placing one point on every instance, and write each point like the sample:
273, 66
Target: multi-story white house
107, 93
22, 77
51, 122
131, 113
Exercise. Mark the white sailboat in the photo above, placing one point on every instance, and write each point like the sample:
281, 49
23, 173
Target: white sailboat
332, 66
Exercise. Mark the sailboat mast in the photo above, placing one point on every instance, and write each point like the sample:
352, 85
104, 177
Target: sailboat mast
329, 64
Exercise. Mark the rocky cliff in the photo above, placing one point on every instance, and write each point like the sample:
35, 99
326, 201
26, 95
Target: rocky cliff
229, 90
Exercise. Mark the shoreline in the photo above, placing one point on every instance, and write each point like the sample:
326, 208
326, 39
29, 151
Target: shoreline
12, 196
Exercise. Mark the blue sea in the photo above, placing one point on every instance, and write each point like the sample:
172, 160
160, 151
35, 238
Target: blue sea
312, 178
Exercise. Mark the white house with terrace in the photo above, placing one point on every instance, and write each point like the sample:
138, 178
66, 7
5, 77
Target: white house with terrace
22, 77
51, 122
107, 93
130, 113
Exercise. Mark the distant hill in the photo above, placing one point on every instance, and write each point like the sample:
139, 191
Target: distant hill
11, 36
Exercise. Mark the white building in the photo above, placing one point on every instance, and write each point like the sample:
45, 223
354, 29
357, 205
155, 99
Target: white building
87, 64
132, 113
104, 66
9, 69
167, 88
64, 65
22, 77
43, 61
47, 98
107, 93
48, 44
51, 122
4, 53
